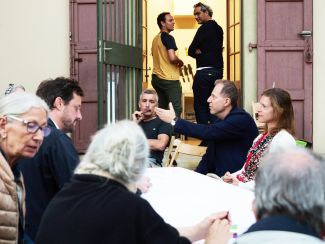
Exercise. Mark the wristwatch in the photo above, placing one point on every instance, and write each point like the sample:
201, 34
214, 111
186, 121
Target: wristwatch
173, 122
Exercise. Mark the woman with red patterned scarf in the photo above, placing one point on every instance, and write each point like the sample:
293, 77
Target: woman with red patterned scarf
276, 112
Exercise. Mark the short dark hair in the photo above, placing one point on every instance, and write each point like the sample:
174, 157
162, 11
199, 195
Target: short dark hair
62, 87
229, 90
161, 17
204, 8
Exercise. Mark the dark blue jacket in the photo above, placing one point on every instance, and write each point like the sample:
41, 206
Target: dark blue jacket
228, 141
282, 223
46, 173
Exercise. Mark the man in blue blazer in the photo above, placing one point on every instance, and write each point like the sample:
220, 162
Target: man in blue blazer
229, 137
54, 163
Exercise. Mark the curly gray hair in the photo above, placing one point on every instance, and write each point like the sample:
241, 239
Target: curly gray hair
120, 150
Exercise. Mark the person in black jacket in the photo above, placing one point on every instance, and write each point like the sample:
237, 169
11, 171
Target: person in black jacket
53, 165
229, 137
99, 204
206, 48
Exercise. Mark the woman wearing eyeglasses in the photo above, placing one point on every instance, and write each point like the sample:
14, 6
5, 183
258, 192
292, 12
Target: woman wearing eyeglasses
23, 125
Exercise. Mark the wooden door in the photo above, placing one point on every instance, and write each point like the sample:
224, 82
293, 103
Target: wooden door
114, 28
285, 55
83, 66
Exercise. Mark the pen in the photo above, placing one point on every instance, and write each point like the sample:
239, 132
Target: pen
227, 215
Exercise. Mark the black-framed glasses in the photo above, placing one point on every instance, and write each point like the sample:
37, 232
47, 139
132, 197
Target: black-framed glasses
32, 127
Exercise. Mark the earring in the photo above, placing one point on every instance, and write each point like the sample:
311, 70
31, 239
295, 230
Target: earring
4, 136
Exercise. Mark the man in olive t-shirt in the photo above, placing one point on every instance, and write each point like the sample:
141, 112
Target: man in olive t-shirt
166, 64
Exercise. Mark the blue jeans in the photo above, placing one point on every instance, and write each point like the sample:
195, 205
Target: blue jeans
203, 85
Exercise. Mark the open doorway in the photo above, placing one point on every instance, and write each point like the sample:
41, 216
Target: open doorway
228, 16
84, 48
185, 28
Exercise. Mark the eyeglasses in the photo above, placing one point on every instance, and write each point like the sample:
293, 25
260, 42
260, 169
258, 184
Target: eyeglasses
32, 127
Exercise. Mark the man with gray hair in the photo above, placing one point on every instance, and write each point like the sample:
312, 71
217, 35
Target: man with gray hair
157, 131
289, 199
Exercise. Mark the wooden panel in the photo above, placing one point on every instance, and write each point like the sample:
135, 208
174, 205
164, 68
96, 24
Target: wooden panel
84, 67
86, 23
86, 127
282, 55
298, 108
87, 75
282, 24
289, 66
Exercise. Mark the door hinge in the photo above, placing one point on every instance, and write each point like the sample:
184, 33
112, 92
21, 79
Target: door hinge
78, 59
251, 46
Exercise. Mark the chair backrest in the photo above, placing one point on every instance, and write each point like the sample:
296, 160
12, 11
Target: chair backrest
169, 150
260, 126
187, 149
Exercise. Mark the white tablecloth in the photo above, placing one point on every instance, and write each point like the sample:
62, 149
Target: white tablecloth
183, 197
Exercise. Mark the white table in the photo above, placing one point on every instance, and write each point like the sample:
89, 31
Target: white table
183, 197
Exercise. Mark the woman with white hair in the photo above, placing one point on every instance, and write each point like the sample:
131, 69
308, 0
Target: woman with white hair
23, 125
99, 204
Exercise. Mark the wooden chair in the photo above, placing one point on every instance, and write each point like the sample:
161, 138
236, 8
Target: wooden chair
169, 150
260, 126
187, 149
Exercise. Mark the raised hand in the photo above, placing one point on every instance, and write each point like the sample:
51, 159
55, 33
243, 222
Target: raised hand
166, 115
137, 116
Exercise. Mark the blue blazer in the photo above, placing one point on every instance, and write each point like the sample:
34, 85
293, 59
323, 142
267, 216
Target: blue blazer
228, 141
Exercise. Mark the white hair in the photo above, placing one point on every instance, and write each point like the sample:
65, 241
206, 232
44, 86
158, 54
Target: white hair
119, 149
18, 103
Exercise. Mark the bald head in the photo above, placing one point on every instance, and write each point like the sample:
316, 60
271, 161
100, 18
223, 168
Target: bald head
292, 183
294, 163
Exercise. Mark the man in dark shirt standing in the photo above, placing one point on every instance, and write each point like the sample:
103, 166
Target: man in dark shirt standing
206, 48
166, 64
54, 163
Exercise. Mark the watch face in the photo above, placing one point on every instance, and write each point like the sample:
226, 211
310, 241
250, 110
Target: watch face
173, 122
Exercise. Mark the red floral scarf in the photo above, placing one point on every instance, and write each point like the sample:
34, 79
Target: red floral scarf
254, 155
